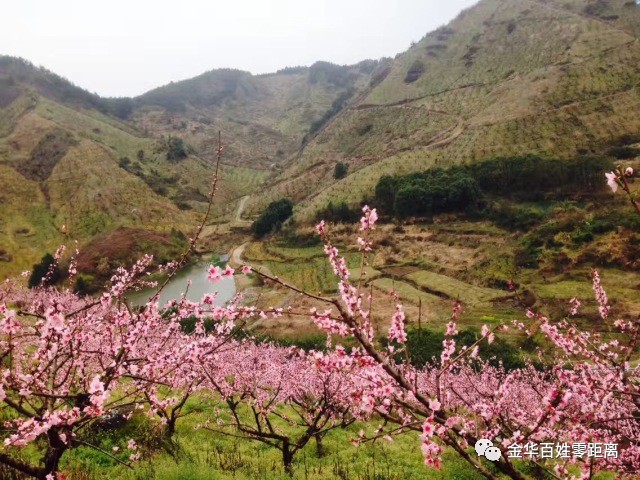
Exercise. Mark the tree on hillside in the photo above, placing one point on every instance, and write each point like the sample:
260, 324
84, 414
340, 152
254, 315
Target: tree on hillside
176, 149
458, 188
386, 192
340, 170
272, 218
438, 191
340, 212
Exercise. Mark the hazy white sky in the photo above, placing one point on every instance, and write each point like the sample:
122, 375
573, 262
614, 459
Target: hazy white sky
126, 47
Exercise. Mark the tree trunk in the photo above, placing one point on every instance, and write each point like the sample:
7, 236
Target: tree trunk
319, 445
170, 428
287, 458
55, 450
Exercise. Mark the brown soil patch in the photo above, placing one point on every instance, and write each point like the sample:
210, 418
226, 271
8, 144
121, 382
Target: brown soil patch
124, 246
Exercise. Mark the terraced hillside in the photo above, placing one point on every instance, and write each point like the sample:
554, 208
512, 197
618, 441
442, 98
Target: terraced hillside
62, 176
82, 167
431, 266
505, 78
264, 118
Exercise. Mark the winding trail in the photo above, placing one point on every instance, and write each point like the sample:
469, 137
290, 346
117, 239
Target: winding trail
237, 221
235, 259
435, 142
241, 205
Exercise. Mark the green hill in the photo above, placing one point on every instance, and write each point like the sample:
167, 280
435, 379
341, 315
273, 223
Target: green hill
264, 118
61, 162
505, 78
91, 166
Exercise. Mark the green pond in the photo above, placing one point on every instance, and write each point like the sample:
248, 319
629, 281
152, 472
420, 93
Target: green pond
179, 284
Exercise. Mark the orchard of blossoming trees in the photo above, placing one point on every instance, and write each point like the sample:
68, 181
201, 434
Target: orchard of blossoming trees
70, 362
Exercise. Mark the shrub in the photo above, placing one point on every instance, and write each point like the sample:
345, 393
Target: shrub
527, 255
45, 273
188, 324
272, 218
341, 170
415, 72
607, 221
386, 192
459, 188
413, 200
84, 285
515, 177
624, 153
338, 213
176, 149
430, 192
425, 347
516, 217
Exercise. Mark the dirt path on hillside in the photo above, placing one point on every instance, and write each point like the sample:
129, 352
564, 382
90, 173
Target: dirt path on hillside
235, 259
407, 101
568, 106
241, 205
434, 143
236, 220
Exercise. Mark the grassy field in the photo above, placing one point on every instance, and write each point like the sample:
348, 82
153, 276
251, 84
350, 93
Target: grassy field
431, 265
205, 455
306, 268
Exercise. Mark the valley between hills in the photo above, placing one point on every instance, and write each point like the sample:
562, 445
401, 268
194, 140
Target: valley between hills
500, 154
556, 80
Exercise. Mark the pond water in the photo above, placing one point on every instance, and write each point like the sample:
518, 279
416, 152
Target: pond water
200, 285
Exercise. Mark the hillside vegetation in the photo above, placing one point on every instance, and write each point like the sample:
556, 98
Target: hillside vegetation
90, 165
505, 78
482, 149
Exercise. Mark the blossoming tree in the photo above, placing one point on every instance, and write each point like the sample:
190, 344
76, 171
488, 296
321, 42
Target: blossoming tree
590, 394
275, 396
